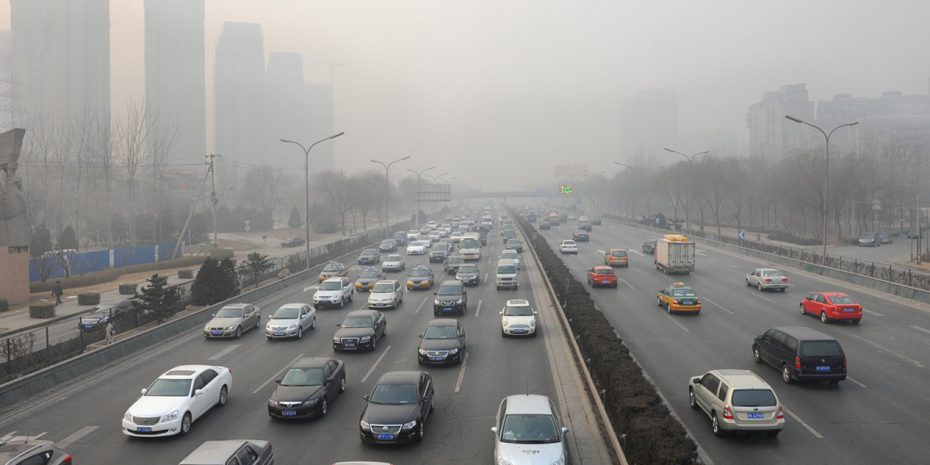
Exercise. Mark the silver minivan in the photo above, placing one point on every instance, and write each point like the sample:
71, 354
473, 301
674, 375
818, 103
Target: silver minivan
737, 400
506, 274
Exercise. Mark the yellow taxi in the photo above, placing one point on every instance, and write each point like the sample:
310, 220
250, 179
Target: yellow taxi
617, 257
679, 298
421, 277
367, 279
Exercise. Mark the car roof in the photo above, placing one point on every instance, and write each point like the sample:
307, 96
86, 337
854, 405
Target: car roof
767, 269
568, 240
294, 305
513, 251
217, 452
443, 322
451, 282
518, 303
186, 371
235, 305
400, 377
528, 403
310, 362
741, 379
395, 256
385, 281
357, 313
335, 279
833, 294
803, 333
602, 268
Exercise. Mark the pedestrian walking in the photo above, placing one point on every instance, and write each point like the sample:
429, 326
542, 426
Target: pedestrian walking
57, 292
110, 332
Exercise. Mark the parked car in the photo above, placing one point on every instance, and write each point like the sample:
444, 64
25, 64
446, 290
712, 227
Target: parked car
421, 277
528, 430
333, 269
830, 306
617, 257
602, 276
293, 242
334, 292
360, 329
367, 279
397, 408
469, 274
450, 298
518, 318
174, 401
31, 451
568, 246
442, 342
868, 240
649, 247
290, 320
387, 293
801, 354
230, 452
393, 262
232, 320
369, 257
767, 278
387, 246
307, 388
737, 400
104, 313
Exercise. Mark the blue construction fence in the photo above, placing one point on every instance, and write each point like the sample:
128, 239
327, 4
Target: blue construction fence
77, 264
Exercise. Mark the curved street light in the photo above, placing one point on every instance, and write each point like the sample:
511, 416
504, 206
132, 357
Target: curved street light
690, 159
387, 193
419, 173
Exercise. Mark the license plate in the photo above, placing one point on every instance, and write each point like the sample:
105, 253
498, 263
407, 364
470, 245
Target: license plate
447, 309
88, 326
143, 430
849, 310
518, 331
278, 334
216, 333
384, 437
823, 368
755, 416
437, 359
605, 282
289, 413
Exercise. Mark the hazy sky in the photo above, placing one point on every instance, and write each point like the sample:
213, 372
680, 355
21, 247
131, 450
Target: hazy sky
498, 91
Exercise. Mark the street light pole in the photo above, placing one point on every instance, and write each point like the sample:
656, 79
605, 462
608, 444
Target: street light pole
387, 193
826, 174
307, 185
418, 173
690, 159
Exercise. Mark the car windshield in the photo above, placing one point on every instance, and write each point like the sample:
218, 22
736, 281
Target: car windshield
383, 287
518, 310
303, 377
420, 272
449, 290
771, 273
506, 269
370, 274
102, 309
468, 269
753, 398
683, 293
529, 429
821, 349
163, 387
357, 322
470, 243
841, 299
286, 313
332, 267
441, 332
229, 313
509, 255
392, 258
619, 253
604, 271
331, 286
394, 394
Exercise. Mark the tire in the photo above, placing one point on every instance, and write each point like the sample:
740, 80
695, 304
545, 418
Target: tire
759, 285
786, 374
658, 301
257, 322
224, 396
323, 407
421, 432
802, 309
374, 343
185, 424
691, 400
503, 334
313, 323
748, 284
300, 332
342, 385
668, 308
855, 322
715, 426
756, 355
823, 317
238, 332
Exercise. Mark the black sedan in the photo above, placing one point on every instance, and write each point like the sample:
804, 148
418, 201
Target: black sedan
102, 314
361, 329
438, 255
369, 257
387, 246
450, 298
468, 274
397, 408
307, 388
442, 343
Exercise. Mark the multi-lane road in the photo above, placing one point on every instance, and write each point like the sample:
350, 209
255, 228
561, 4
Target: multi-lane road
84, 417
879, 415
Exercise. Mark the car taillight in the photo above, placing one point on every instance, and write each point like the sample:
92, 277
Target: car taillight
66, 460
784, 279
768, 280
780, 414
727, 413
844, 363
797, 362
699, 301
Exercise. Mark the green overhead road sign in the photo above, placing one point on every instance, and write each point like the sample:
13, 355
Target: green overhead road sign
565, 189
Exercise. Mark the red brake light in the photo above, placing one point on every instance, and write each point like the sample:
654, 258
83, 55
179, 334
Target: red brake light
780, 414
66, 460
768, 280
797, 362
844, 363
727, 413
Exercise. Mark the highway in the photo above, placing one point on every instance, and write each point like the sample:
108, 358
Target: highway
84, 417
878, 415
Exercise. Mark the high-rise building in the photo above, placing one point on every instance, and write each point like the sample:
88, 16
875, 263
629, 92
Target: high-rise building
61, 61
649, 123
288, 110
239, 96
322, 124
174, 77
6, 88
771, 136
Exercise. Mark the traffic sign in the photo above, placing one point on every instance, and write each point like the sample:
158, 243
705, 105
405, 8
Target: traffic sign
565, 189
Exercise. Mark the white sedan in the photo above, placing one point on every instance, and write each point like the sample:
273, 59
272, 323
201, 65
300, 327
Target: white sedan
290, 320
568, 246
176, 399
417, 248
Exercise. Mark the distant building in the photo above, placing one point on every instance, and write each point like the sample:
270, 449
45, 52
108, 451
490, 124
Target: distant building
322, 124
288, 110
239, 97
892, 122
61, 61
649, 123
6, 89
174, 75
771, 136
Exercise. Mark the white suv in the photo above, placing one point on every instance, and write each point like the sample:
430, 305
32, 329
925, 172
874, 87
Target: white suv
518, 319
568, 246
527, 430
333, 291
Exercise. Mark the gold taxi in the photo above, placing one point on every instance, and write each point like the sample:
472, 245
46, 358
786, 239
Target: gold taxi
679, 298
421, 277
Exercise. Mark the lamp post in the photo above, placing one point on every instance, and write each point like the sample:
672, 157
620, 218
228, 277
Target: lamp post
418, 173
620, 203
387, 193
826, 173
307, 185
690, 159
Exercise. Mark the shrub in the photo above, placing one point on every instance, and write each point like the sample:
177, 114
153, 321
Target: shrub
43, 310
127, 289
186, 274
4, 304
215, 282
158, 299
791, 238
89, 298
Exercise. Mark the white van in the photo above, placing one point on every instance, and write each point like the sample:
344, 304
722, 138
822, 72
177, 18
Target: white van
506, 274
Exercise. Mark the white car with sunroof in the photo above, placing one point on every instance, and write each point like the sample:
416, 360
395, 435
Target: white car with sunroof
176, 399
528, 431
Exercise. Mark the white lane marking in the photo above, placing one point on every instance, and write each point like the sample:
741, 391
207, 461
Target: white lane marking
278, 373
719, 306
700, 253
478, 312
76, 436
890, 351
873, 312
918, 328
732, 266
625, 282
766, 298
458, 384
420, 306
37, 436
667, 315
9, 436
863, 386
485, 278
489, 259
601, 252
805, 425
310, 288
375, 365
223, 352
636, 252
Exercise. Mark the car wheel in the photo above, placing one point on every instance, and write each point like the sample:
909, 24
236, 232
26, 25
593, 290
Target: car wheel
715, 425
421, 432
748, 284
658, 301
759, 285
224, 396
313, 323
503, 334
374, 343
257, 321
238, 332
756, 355
342, 302
300, 332
342, 385
786, 374
802, 309
691, 400
823, 317
324, 407
855, 322
186, 423
668, 308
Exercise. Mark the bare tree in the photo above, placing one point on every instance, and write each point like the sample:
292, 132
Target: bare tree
131, 140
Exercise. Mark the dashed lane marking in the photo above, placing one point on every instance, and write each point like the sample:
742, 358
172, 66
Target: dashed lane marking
921, 329
873, 312
375, 365
277, 374
76, 436
863, 386
721, 307
478, 311
223, 352
420, 306
458, 384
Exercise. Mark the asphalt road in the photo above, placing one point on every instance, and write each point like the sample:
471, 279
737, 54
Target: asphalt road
84, 418
878, 415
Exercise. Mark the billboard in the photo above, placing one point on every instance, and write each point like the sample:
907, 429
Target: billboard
435, 193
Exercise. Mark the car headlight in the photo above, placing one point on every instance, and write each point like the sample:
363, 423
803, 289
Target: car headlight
457, 302
311, 402
336, 339
436, 302
454, 351
364, 424
127, 416
206, 328
421, 351
268, 327
170, 417
229, 328
410, 425
365, 339
293, 326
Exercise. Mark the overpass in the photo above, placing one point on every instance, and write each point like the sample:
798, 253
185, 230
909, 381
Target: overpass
505, 194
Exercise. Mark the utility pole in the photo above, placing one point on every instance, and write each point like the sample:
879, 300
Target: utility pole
213, 201
419, 194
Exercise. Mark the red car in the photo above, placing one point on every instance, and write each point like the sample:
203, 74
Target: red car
602, 276
832, 306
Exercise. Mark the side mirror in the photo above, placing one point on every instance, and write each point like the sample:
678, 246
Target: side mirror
695, 380
213, 314
304, 316
365, 397
198, 393
278, 381
502, 312
535, 312
420, 335
564, 430
494, 429
144, 391
338, 325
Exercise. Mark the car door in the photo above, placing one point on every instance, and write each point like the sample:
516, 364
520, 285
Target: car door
426, 395
706, 391
248, 317
766, 346
461, 331
754, 277
199, 403
780, 349
329, 384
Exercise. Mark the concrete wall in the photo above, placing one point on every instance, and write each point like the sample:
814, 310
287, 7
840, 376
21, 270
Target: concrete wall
14, 275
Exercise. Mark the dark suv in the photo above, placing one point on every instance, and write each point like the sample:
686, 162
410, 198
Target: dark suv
450, 298
802, 354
